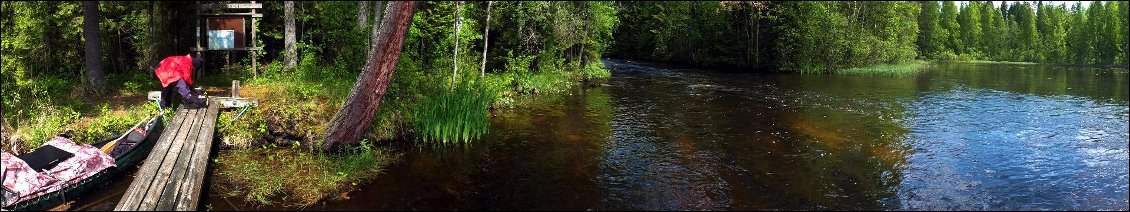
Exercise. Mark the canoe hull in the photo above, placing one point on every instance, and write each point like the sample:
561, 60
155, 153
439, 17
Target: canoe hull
122, 163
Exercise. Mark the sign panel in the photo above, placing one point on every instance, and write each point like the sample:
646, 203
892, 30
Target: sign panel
221, 39
232, 27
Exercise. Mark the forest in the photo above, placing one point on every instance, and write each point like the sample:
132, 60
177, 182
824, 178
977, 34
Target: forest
829, 36
461, 61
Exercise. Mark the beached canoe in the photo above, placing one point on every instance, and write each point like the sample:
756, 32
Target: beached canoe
61, 170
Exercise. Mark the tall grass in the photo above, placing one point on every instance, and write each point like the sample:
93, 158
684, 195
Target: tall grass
456, 116
907, 68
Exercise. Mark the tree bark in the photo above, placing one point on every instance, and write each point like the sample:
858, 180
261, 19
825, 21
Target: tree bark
455, 57
376, 27
486, 43
356, 114
362, 14
93, 46
379, 8
290, 60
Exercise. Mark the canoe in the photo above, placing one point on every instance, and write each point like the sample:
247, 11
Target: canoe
130, 150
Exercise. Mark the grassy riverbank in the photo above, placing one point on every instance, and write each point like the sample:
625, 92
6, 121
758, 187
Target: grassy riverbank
295, 110
293, 114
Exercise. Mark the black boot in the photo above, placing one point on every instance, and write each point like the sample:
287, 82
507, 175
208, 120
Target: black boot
193, 103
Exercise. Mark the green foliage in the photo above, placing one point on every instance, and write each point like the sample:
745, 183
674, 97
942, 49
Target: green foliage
952, 29
970, 20
109, 124
1027, 36
1021, 31
824, 36
456, 116
595, 71
695, 33
246, 131
929, 30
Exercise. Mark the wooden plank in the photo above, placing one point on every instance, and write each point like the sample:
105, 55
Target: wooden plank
231, 49
140, 184
172, 187
161, 174
232, 6
229, 102
189, 198
158, 184
253, 15
153, 171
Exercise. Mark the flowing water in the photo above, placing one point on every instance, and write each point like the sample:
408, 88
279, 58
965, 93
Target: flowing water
654, 137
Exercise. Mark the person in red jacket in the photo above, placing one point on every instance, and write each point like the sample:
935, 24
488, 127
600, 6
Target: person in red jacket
175, 75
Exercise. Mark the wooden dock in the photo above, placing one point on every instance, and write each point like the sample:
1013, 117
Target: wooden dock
172, 177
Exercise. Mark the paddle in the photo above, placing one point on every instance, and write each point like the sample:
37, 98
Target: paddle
110, 146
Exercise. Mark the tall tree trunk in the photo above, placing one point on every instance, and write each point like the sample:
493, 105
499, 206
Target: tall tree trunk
291, 58
379, 9
150, 41
362, 14
356, 114
486, 43
455, 57
93, 46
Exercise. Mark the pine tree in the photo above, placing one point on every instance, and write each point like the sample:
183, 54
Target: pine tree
1078, 42
929, 34
950, 26
970, 22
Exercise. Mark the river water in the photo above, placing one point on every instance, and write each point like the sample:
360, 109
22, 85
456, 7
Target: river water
656, 137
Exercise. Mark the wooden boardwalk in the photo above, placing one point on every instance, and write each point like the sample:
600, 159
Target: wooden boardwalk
172, 177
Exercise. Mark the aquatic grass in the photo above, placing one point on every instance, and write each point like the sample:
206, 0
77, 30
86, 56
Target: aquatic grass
244, 132
543, 83
455, 116
810, 70
253, 174
907, 68
995, 62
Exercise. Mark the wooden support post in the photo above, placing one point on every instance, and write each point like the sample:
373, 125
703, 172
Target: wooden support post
235, 88
254, 62
199, 50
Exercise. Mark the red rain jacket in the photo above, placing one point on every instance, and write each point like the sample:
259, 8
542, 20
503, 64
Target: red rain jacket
174, 68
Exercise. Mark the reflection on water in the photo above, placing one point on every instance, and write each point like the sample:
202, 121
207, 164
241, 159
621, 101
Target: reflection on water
994, 137
981, 149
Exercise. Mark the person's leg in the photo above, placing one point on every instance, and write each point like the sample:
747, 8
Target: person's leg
190, 96
167, 96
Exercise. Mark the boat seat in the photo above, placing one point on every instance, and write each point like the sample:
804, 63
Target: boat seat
135, 136
45, 157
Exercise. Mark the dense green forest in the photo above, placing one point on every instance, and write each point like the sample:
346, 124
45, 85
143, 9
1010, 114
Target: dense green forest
825, 36
463, 59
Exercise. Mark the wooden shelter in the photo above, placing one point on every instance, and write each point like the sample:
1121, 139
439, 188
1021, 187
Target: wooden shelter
226, 29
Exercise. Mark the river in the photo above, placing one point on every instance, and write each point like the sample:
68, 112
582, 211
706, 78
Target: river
658, 137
